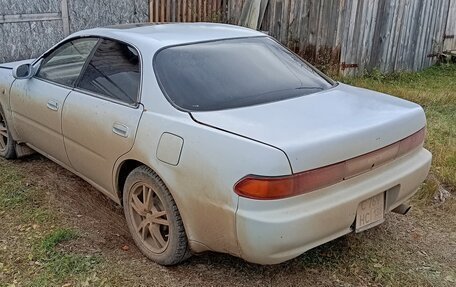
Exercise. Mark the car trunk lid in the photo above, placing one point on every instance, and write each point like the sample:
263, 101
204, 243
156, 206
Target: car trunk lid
323, 128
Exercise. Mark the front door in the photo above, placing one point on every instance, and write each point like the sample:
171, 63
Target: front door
37, 103
101, 115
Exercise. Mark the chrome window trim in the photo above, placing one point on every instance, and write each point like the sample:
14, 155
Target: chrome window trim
103, 97
54, 83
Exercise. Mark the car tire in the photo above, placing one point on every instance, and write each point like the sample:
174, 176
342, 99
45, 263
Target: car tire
7, 143
153, 218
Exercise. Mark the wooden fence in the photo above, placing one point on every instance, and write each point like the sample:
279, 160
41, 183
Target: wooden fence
188, 10
343, 36
357, 36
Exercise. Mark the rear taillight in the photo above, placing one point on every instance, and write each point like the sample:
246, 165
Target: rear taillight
261, 187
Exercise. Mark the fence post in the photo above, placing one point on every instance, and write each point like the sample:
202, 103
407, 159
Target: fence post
65, 18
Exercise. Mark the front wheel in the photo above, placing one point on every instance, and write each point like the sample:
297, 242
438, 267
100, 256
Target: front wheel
153, 218
7, 144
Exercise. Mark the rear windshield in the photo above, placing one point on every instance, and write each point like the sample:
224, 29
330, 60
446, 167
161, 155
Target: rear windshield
233, 73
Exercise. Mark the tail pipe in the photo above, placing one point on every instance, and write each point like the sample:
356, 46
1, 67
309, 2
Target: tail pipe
402, 209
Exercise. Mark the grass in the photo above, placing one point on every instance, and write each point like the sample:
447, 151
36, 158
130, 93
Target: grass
31, 238
435, 90
12, 193
60, 266
58, 236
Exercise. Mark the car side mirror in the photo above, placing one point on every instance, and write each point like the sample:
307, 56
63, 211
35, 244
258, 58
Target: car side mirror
24, 71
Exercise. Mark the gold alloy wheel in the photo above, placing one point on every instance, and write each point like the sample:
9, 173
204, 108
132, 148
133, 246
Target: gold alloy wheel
3, 134
149, 217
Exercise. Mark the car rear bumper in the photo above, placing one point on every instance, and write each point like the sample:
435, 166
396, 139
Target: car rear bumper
270, 232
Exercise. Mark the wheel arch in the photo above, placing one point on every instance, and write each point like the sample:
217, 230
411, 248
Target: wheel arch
123, 170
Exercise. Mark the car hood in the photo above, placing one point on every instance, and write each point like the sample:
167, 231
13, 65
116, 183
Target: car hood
323, 128
12, 65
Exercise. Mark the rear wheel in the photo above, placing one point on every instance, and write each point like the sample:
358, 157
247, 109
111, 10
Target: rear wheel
7, 144
153, 218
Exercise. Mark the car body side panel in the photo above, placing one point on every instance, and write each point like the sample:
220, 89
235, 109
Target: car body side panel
6, 80
37, 123
211, 162
91, 142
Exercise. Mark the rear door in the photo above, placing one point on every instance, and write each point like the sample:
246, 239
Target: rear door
37, 103
101, 115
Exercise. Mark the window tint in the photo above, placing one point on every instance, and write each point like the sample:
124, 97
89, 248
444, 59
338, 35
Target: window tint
114, 72
233, 73
64, 65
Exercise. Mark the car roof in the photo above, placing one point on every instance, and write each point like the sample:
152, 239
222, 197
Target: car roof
161, 35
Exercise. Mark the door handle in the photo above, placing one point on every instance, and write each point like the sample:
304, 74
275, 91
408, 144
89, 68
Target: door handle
53, 105
120, 130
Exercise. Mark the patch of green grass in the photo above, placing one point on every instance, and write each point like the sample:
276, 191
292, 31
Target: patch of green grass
12, 191
60, 265
58, 236
20, 198
435, 90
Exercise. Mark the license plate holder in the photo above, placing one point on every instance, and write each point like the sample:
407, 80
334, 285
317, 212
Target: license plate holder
370, 212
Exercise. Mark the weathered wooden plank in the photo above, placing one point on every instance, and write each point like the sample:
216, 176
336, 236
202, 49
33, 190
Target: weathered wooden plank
29, 17
169, 7
370, 36
450, 29
345, 24
363, 47
415, 34
184, 11
425, 36
65, 17
157, 10
387, 27
362, 23
420, 36
152, 11
349, 56
293, 33
284, 23
162, 11
319, 30
396, 40
404, 37
431, 45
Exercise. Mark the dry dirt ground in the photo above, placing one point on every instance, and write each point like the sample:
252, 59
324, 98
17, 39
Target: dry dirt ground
56, 230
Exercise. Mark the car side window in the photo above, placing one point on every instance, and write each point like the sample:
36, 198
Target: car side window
114, 72
64, 65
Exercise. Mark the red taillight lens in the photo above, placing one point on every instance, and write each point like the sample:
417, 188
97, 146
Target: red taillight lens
260, 187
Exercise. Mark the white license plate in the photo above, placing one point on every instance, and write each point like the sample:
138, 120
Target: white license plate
370, 212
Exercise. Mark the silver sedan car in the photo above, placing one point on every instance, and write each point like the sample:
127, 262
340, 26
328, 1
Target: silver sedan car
214, 137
